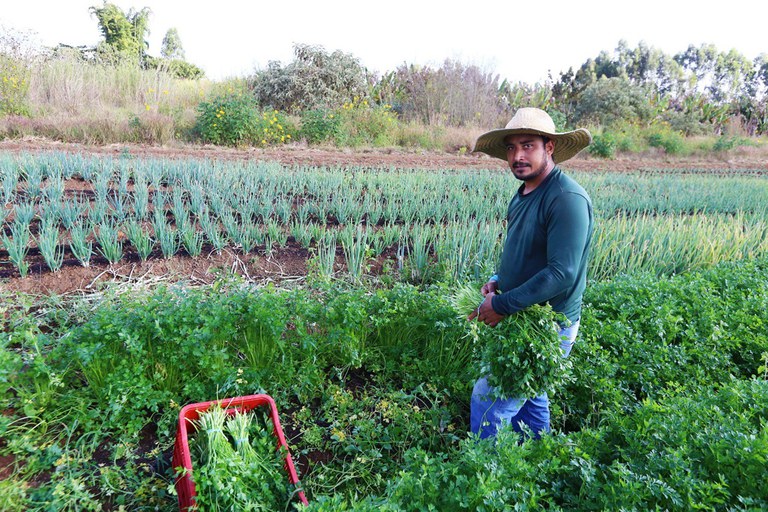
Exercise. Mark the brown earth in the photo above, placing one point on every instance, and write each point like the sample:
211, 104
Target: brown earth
289, 263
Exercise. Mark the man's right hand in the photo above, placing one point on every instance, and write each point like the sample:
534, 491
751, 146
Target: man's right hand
489, 287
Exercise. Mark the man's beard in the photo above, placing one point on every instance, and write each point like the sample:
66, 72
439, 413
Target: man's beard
535, 174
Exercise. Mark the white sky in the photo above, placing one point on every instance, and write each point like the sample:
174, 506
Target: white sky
520, 41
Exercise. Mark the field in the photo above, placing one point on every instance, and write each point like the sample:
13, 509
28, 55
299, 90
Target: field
135, 280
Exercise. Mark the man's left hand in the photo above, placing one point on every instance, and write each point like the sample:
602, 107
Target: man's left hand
485, 313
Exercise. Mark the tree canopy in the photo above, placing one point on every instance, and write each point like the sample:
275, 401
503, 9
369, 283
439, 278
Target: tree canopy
124, 33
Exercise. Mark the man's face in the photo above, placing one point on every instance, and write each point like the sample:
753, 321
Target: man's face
529, 156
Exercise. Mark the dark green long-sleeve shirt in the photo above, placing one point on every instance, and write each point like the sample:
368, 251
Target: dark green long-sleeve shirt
545, 253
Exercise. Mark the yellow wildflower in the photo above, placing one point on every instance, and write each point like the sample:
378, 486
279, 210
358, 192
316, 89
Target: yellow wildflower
339, 435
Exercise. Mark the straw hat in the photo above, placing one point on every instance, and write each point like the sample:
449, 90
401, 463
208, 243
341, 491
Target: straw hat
534, 120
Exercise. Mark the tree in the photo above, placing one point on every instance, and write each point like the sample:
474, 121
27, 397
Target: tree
314, 79
124, 34
171, 47
455, 94
613, 101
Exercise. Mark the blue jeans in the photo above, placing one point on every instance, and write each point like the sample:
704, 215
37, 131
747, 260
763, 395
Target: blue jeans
487, 416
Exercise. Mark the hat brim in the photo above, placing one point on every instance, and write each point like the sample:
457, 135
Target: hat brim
567, 144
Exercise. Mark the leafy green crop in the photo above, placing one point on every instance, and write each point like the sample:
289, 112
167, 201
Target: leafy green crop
235, 465
666, 409
521, 356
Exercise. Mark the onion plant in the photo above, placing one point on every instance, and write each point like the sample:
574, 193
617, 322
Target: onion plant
455, 250
98, 211
420, 237
140, 198
18, 246
354, 243
118, 206
283, 209
110, 245
24, 213
79, 244
275, 234
247, 236
213, 232
101, 185
196, 199
10, 183
192, 239
71, 211
326, 255
48, 244
33, 181
179, 206
124, 178
301, 233
167, 237
140, 238
54, 189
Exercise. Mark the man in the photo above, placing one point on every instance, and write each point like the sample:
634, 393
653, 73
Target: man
544, 259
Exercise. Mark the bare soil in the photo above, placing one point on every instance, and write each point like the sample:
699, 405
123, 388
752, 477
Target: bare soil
289, 263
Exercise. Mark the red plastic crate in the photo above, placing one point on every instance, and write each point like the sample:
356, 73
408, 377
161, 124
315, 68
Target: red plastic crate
185, 485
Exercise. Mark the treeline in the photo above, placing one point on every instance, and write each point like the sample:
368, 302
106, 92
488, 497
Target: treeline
698, 91
631, 98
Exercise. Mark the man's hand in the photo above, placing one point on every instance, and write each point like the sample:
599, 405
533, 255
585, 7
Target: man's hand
485, 312
489, 287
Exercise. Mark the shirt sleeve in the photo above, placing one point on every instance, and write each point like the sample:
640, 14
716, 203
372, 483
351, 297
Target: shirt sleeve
568, 225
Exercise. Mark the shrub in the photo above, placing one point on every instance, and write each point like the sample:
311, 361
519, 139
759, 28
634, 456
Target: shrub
603, 145
670, 141
315, 79
725, 143
413, 134
362, 124
14, 84
229, 119
610, 101
455, 94
234, 119
630, 140
319, 125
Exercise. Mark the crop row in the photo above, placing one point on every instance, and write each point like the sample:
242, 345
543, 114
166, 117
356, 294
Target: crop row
71, 208
407, 194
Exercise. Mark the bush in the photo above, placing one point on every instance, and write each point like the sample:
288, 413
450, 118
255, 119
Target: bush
610, 101
315, 79
361, 124
354, 124
14, 85
725, 143
603, 145
670, 141
234, 119
184, 70
319, 125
